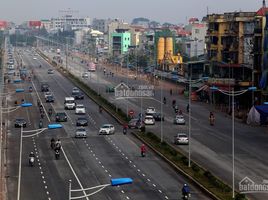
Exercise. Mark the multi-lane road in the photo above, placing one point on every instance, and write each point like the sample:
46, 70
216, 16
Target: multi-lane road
210, 146
87, 162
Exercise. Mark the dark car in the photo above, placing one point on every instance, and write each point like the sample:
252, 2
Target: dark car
61, 117
50, 99
158, 117
50, 71
44, 87
135, 123
20, 122
78, 95
81, 121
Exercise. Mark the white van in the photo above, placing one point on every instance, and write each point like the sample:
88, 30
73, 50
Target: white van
69, 103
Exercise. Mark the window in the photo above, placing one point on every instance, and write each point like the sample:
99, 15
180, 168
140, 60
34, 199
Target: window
197, 31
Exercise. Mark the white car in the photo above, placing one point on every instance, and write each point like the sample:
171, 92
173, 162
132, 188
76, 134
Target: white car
150, 110
85, 75
149, 120
107, 129
181, 138
80, 109
75, 90
81, 133
34, 58
179, 119
48, 94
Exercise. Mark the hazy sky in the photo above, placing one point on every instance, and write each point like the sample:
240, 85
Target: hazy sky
174, 11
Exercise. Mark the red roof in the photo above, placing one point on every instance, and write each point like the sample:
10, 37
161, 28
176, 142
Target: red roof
262, 11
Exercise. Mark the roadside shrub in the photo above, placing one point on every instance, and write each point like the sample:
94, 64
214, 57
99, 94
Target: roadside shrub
184, 160
240, 197
195, 168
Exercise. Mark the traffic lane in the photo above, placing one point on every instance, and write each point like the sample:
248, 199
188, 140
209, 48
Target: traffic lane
79, 167
151, 169
137, 149
90, 171
112, 161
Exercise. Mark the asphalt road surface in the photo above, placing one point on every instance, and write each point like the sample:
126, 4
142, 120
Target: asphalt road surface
87, 162
210, 146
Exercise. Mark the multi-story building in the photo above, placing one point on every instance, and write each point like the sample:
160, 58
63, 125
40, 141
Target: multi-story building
115, 24
101, 25
194, 45
229, 39
121, 41
260, 48
46, 23
69, 22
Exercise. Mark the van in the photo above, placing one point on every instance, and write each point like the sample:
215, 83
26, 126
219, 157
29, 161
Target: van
69, 103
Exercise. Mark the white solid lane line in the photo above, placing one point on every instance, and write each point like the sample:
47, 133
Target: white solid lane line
77, 179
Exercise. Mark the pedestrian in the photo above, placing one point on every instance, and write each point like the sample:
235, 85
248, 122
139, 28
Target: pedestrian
170, 91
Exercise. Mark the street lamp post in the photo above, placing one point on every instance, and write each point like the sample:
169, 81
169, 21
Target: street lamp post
35, 132
233, 94
114, 182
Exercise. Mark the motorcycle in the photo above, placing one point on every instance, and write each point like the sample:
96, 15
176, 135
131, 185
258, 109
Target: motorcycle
31, 161
50, 112
142, 153
57, 154
186, 196
211, 121
100, 109
52, 145
40, 124
164, 101
124, 131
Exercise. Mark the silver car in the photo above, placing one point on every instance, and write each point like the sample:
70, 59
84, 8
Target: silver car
81, 133
179, 119
181, 138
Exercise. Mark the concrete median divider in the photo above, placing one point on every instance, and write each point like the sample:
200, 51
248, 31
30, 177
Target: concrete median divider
204, 179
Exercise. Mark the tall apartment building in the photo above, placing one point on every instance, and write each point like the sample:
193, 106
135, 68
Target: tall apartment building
121, 41
69, 22
229, 44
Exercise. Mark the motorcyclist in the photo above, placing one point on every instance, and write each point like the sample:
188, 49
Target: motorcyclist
164, 100
143, 150
180, 112
187, 107
170, 91
40, 66
52, 143
176, 109
185, 190
57, 153
211, 118
31, 155
58, 145
40, 123
125, 129
104, 71
50, 111
30, 89
100, 109
173, 102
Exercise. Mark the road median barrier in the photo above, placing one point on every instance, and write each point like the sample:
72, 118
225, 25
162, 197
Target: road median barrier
204, 179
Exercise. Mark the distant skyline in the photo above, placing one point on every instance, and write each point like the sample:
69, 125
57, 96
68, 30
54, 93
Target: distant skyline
173, 11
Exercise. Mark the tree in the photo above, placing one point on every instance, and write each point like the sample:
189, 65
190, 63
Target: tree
140, 19
154, 24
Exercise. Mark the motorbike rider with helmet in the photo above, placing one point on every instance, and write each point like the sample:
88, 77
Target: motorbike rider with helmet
185, 191
143, 150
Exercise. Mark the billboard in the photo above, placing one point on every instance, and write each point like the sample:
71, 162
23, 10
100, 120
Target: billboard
3, 24
34, 23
